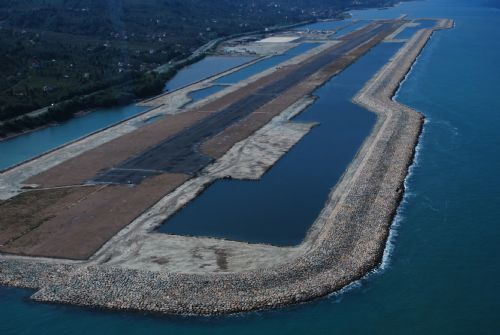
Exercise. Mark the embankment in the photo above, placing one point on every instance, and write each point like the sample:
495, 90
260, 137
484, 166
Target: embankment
346, 242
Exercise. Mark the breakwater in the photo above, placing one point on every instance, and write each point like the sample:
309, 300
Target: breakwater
347, 241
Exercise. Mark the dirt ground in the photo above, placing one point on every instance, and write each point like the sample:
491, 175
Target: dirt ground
75, 222
29, 210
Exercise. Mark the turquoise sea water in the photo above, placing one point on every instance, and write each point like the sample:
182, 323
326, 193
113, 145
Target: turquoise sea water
441, 276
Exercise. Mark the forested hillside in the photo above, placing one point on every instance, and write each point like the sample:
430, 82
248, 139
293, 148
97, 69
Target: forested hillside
59, 50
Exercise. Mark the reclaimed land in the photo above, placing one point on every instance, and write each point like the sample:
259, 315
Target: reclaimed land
346, 243
157, 158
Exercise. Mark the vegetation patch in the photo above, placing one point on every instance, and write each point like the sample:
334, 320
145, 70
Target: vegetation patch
75, 55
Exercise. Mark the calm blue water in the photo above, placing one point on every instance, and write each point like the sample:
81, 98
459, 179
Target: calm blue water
280, 208
30, 145
326, 25
265, 64
408, 32
206, 92
351, 28
35, 143
442, 277
205, 68
426, 23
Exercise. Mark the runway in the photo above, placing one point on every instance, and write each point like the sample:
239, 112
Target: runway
180, 153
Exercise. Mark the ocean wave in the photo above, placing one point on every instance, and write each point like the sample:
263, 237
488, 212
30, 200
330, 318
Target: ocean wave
339, 295
399, 217
393, 231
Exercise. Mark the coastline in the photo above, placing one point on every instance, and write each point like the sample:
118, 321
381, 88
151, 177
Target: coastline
196, 55
349, 237
202, 52
77, 115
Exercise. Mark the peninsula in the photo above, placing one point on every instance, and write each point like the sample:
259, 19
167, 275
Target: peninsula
78, 224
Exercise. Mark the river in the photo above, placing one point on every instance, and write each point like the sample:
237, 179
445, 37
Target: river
32, 144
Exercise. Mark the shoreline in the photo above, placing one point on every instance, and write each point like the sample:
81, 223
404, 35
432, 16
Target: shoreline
167, 106
203, 51
348, 239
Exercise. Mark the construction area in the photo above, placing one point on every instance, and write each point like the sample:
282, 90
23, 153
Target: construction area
78, 222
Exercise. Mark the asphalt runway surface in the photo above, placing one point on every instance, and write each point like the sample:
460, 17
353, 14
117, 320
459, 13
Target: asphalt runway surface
180, 153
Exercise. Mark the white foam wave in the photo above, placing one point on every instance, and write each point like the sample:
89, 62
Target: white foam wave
393, 231
339, 295
407, 75
399, 217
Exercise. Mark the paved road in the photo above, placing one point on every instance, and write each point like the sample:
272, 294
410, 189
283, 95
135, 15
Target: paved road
181, 154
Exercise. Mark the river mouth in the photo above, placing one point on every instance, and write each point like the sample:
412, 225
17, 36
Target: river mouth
280, 208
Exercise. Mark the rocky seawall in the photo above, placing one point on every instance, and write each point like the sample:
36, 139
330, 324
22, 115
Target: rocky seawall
346, 242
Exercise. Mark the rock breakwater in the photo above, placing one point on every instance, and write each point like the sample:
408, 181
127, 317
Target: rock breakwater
345, 243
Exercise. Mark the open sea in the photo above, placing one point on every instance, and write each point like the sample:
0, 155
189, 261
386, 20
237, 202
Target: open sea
441, 269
